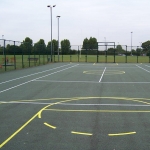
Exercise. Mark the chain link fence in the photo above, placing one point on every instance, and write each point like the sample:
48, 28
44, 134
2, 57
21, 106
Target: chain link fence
17, 55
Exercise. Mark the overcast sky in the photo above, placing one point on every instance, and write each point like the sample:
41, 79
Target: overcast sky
110, 19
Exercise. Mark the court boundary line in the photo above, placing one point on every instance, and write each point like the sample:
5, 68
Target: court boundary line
74, 104
36, 78
147, 66
32, 74
38, 114
143, 68
91, 82
102, 75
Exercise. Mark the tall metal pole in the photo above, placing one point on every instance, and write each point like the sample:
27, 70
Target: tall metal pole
51, 27
105, 43
58, 37
131, 43
3, 44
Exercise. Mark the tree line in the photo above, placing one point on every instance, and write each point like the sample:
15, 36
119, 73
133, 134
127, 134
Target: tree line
89, 46
28, 47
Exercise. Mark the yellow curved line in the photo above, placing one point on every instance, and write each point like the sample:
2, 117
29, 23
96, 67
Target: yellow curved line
128, 133
39, 113
23, 126
48, 125
72, 99
108, 72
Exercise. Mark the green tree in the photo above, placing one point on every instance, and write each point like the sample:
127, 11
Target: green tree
85, 43
40, 47
27, 46
1, 50
65, 46
139, 51
119, 49
90, 43
54, 46
12, 49
146, 46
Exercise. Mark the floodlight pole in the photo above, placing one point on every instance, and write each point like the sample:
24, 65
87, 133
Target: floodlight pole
51, 27
58, 37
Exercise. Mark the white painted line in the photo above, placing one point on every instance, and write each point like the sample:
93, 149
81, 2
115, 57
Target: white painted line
32, 74
143, 68
147, 66
127, 82
73, 104
65, 81
102, 75
36, 79
91, 82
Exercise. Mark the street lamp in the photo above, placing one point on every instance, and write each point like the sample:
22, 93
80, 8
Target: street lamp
58, 36
51, 26
131, 43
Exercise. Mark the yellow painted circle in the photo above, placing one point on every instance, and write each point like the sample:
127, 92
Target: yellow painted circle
107, 72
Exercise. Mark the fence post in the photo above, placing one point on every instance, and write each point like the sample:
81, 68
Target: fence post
106, 55
137, 53
97, 52
78, 53
4, 52
114, 54
14, 57
126, 53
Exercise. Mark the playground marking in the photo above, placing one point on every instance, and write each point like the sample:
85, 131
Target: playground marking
60, 81
36, 79
32, 74
64, 100
102, 75
48, 125
106, 111
107, 72
147, 66
82, 133
143, 68
118, 134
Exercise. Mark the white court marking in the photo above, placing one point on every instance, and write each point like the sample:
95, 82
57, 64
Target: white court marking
102, 75
91, 82
32, 74
147, 66
36, 79
143, 68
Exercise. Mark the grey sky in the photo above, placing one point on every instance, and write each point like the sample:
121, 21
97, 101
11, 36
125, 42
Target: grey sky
113, 19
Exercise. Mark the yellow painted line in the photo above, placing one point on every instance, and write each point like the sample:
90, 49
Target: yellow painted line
107, 111
23, 126
118, 134
108, 72
39, 113
53, 127
8, 139
74, 99
82, 133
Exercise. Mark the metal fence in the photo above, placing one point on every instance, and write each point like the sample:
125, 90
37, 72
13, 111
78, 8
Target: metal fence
17, 55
